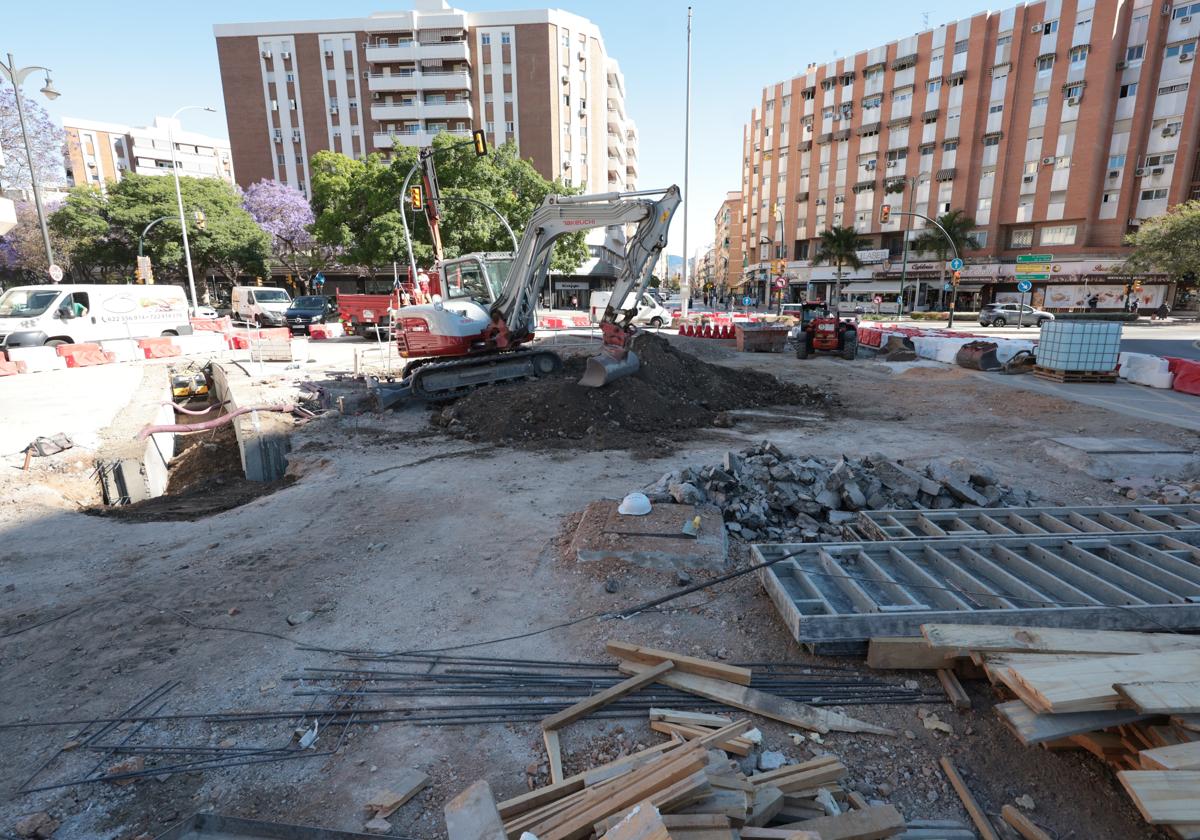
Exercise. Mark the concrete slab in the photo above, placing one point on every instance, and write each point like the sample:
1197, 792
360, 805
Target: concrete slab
79, 402
1116, 457
263, 437
654, 541
133, 469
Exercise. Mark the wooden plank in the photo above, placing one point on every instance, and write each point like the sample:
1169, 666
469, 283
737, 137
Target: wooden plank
768, 801
954, 691
589, 704
872, 823
906, 653
1086, 685
689, 718
406, 784
998, 638
737, 746
1033, 728
472, 815
1164, 796
687, 664
750, 833
641, 822
1160, 698
1022, 824
760, 702
798, 777
1184, 756
554, 752
982, 823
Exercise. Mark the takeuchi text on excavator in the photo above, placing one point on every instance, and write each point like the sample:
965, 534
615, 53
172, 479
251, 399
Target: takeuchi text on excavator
478, 328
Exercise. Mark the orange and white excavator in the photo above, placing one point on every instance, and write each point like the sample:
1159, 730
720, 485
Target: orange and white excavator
483, 316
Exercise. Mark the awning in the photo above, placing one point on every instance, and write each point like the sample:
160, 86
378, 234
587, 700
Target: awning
970, 287
883, 287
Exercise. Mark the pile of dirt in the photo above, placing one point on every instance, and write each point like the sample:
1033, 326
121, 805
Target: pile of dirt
672, 391
204, 478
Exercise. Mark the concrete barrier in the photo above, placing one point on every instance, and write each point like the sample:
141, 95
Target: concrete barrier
37, 359
199, 343
261, 442
11, 368
88, 358
123, 349
1146, 369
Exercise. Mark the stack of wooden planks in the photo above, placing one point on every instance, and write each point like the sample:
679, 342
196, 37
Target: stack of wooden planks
688, 788
1131, 699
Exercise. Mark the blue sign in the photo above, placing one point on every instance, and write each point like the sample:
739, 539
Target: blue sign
1024, 286
949, 287
319, 280
956, 264
747, 300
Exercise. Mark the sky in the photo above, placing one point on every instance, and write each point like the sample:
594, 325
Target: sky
148, 58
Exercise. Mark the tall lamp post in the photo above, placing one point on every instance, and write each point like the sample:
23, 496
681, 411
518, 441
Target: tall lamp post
912, 181
187, 250
16, 75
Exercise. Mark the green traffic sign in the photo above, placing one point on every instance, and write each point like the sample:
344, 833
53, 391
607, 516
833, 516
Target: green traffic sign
1033, 276
1035, 258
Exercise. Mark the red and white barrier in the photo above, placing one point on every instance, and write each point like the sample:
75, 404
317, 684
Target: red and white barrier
158, 348
1187, 375
36, 359
122, 349
11, 368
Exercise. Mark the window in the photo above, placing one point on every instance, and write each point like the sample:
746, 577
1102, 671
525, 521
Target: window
485, 39
872, 101
508, 126
1161, 160
949, 145
902, 94
1021, 238
1031, 167
931, 120
957, 81
282, 160
991, 140
1179, 88
1128, 90
1135, 53
505, 38
291, 77
490, 127
292, 105
1084, 22
897, 155
1111, 197
1057, 235
1062, 162
274, 105
1179, 50
997, 108
1079, 54
981, 237
1140, 19
1045, 63
875, 73
1153, 195
933, 85
1073, 91
1185, 11
926, 151
874, 132
1003, 40
1040, 101
1050, 27
1116, 161
566, 40
960, 47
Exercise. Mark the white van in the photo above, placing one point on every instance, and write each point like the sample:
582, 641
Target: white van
262, 305
649, 311
31, 316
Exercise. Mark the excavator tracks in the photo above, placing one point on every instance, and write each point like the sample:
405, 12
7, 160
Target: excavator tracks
445, 380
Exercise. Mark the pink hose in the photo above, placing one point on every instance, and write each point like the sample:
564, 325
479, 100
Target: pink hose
209, 424
195, 412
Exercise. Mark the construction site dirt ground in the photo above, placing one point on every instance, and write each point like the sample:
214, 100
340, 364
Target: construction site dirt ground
396, 536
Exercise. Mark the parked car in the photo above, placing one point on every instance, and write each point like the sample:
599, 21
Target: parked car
307, 310
264, 306
649, 310
1000, 314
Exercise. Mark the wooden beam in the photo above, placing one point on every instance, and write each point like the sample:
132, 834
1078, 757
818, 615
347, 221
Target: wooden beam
982, 823
687, 664
759, 702
642, 822
749, 833
1164, 796
737, 746
1086, 685
872, 823
589, 704
954, 690
554, 752
1022, 824
1031, 727
472, 815
998, 638
1185, 756
689, 718
1160, 698
911, 653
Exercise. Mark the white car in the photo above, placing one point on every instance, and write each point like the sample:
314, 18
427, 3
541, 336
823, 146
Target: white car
203, 311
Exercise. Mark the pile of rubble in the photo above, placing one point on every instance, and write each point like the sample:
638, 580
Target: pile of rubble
1143, 489
766, 493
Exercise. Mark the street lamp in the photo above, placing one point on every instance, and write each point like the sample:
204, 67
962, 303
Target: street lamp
187, 251
16, 75
912, 181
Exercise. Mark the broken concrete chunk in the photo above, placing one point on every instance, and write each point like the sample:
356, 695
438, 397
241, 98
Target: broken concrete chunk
300, 617
39, 825
378, 825
686, 494
133, 764
771, 760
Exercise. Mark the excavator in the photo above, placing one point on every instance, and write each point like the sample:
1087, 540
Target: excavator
478, 329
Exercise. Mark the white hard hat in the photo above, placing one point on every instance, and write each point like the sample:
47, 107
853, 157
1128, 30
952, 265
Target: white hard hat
635, 504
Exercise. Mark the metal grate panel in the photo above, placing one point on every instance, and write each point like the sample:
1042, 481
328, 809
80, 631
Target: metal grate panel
836, 596
1013, 522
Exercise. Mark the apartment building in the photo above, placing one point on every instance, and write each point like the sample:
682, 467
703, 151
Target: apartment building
1058, 126
728, 254
541, 79
98, 152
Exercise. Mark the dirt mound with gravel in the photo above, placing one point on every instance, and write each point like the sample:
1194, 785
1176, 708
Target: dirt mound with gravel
671, 392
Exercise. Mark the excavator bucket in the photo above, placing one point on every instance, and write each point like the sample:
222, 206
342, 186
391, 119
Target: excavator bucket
603, 368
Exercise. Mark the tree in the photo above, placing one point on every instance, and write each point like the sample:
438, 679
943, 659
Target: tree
1169, 243
839, 247
45, 139
358, 205
958, 226
284, 213
23, 251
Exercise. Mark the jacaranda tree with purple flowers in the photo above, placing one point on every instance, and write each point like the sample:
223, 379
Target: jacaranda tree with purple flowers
284, 213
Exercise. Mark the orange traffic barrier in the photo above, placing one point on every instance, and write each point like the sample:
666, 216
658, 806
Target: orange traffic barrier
65, 350
88, 358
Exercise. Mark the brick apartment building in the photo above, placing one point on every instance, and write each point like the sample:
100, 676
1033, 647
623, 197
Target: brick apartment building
1058, 126
540, 78
98, 152
728, 254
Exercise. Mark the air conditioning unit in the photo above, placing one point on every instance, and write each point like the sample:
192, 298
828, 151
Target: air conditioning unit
820, 202
366, 74
1047, 161
1114, 173
266, 54
566, 164
329, 53
566, 80
808, 129
1168, 132
295, 136
286, 56
1037, 27
1186, 19
1120, 65
1158, 170
892, 164
377, 95
583, 112
1185, 57
1028, 179
837, 199
1139, 172
278, 135
582, 56
1072, 100
333, 109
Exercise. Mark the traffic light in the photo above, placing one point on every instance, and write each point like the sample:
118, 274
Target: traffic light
955, 277
1137, 285
885, 213
480, 140
415, 199
201, 220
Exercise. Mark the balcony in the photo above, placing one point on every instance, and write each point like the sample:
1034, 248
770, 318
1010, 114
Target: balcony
404, 51
409, 137
413, 80
422, 111
446, 50
383, 113
413, 51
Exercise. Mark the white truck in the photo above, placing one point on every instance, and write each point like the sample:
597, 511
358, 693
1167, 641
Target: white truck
649, 310
263, 305
32, 316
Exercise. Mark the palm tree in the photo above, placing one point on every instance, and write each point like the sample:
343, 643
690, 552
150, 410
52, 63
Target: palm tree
839, 247
958, 226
